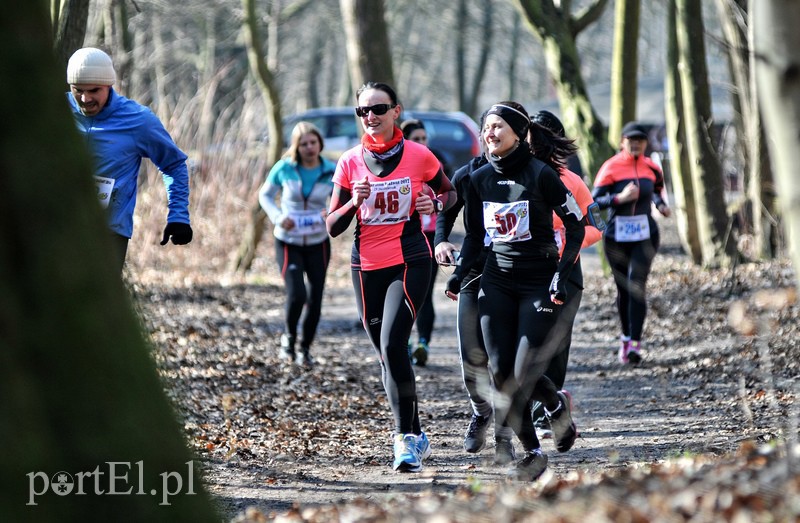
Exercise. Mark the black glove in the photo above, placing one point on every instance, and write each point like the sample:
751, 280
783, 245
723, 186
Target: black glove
181, 233
453, 284
558, 288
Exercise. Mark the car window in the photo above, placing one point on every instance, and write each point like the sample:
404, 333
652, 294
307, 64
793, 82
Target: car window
445, 130
343, 126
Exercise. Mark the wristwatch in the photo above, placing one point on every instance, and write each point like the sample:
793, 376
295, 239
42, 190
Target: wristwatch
438, 206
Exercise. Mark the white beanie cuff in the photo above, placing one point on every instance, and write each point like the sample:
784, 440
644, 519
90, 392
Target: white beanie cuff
90, 66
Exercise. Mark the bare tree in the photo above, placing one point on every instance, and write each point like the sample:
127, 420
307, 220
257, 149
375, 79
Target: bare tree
680, 172
269, 90
777, 59
69, 18
716, 244
557, 28
468, 91
368, 53
624, 67
761, 196
79, 386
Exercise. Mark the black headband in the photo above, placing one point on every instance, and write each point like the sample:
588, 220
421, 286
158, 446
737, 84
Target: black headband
515, 118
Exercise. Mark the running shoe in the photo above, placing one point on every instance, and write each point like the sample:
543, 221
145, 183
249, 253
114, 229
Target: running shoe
624, 349
634, 356
564, 430
543, 428
406, 453
420, 354
504, 451
287, 348
530, 467
423, 446
475, 438
304, 357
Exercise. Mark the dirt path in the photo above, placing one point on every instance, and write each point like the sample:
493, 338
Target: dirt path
626, 415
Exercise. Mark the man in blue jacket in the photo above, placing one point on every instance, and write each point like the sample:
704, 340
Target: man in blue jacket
119, 133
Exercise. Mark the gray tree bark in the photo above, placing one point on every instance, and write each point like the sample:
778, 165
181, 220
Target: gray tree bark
624, 66
557, 28
369, 56
257, 223
70, 27
716, 243
777, 61
680, 170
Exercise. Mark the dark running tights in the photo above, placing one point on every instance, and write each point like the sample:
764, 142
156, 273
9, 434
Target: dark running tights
517, 320
387, 301
630, 263
427, 314
298, 263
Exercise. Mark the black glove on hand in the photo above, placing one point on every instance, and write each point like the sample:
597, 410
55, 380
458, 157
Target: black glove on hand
453, 284
181, 233
558, 288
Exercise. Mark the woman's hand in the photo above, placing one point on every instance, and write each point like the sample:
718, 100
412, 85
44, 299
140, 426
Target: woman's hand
629, 194
444, 253
361, 191
424, 204
287, 224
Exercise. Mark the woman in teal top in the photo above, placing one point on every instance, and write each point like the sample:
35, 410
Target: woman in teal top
302, 246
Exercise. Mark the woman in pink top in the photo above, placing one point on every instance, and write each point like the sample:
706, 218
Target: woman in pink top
380, 184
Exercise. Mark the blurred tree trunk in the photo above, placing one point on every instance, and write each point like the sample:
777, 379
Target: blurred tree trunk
369, 56
680, 171
556, 27
757, 174
716, 244
77, 379
246, 253
468, 92
118, 39
776, 48
69, 18
624, 66
512, 61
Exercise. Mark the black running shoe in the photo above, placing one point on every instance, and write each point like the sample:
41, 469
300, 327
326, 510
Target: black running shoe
564, 430
530, 467
475, 438
287, 348
504, 451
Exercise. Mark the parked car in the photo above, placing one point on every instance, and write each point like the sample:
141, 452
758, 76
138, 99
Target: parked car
454, 134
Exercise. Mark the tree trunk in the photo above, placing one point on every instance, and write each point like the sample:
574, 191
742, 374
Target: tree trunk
777, 62
680, 171
70, 22
82, 400
624, 66
468, 92
758, 182
713, 227
257, 223
368, 53
557, 30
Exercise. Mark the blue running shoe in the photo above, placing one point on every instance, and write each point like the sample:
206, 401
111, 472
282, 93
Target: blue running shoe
420, 355
406, 453
423, 446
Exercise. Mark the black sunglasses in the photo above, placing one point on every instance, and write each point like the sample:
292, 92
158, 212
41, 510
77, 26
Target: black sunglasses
377, 109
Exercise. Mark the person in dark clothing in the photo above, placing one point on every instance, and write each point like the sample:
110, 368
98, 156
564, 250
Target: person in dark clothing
628, 184
557, 369
414, 130
523, 284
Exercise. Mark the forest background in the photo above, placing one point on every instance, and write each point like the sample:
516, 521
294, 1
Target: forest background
218, 76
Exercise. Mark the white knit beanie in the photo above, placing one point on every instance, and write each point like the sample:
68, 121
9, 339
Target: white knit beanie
90, 66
